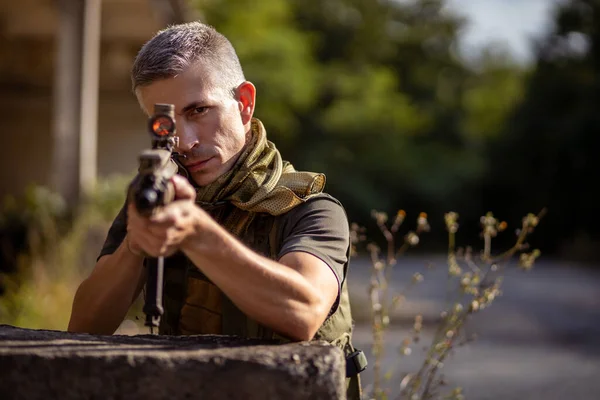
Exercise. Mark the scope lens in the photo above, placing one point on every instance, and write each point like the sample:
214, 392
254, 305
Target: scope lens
162, 126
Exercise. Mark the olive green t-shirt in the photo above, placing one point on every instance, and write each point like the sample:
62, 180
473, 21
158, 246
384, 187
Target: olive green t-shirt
318, 226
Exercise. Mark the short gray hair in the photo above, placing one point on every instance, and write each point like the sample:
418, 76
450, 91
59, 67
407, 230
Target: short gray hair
174, 49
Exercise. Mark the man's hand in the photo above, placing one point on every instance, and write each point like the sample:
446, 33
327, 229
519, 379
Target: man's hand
162, 233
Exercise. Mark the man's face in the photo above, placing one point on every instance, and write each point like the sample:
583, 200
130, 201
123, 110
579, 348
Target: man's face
212, 125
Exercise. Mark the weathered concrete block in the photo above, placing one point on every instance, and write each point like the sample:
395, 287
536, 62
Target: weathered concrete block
41, 364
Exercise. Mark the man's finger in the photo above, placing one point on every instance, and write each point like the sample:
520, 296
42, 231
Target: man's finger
149, 243
134, 219
183, 189
165, 216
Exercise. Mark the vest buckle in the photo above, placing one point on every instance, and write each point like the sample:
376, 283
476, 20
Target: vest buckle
356, 362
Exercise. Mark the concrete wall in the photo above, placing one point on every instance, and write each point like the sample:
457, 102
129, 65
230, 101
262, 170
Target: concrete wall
58, 365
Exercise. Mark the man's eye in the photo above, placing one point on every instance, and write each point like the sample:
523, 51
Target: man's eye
199, 110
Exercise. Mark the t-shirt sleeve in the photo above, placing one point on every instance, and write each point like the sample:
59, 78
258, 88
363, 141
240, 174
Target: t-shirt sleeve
116, 233
319, 227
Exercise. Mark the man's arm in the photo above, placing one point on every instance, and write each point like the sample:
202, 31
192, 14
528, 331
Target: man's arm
292, 296
103, 299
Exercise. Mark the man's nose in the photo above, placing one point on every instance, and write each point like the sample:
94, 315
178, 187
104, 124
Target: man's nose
187, 138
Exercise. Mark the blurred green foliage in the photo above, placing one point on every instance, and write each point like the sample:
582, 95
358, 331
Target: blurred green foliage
373, 94
376, 95
57, 250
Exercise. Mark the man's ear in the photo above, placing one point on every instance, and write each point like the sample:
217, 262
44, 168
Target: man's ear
246, 97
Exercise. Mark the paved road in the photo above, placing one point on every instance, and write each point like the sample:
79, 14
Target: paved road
539, 340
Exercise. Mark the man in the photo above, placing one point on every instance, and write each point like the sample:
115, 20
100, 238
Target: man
254, 248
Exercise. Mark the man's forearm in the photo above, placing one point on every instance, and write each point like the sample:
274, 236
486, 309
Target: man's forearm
103, 299
269, 292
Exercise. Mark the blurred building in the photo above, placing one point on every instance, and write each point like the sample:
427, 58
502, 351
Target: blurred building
67, 108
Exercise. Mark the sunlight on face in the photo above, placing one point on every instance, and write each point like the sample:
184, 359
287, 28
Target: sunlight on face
209, 124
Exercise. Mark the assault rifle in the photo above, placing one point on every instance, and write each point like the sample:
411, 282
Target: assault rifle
151, 189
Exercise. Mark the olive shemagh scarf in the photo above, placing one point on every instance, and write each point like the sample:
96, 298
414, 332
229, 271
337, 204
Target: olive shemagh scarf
260, 182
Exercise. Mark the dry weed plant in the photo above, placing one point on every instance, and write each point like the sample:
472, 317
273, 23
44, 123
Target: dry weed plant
474, 281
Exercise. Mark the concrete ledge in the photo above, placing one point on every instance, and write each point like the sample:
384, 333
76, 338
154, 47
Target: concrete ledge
40, 364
